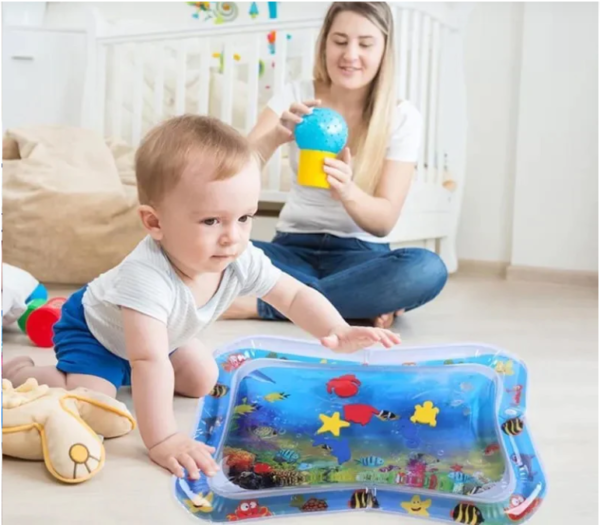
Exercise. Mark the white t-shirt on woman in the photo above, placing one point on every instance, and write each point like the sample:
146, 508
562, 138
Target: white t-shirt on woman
314, 210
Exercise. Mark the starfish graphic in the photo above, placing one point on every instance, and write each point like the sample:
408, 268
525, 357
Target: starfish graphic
332, 424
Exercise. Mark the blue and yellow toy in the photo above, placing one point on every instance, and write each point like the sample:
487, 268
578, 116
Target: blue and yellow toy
320, 135
443, 439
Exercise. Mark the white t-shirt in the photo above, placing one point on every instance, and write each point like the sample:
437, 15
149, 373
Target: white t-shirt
313, 210
146, 282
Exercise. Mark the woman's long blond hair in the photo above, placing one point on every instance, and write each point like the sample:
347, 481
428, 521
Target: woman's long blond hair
372, 140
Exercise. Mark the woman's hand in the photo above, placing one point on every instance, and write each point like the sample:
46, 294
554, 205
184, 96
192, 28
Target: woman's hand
339, 176
291, 117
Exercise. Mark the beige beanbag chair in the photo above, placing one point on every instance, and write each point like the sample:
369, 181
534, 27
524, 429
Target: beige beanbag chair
60, 427
69, 203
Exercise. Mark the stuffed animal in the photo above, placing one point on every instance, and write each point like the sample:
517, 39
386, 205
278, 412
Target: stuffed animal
61, 427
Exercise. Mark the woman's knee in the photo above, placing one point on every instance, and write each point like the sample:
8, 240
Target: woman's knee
434, 269
422, 268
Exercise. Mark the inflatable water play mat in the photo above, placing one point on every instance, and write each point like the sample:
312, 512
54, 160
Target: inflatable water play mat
432, 432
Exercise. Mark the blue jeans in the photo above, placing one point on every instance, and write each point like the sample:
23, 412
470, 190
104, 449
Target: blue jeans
361, 279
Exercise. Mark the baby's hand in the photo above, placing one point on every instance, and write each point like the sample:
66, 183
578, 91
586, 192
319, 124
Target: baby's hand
179, 452
348, 339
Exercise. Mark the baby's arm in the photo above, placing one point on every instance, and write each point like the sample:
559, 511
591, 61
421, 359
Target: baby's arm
152, 385
312, 312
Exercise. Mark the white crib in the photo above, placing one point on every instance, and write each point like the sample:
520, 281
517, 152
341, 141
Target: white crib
136, 79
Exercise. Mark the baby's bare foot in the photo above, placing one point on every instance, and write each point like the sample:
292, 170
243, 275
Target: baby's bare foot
386, 320
12, 367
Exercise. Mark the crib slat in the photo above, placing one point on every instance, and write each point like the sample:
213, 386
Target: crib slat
228, 80
440, 111
424, 63
402, 54
433, 98
414, 58
117, 88
181, 77
100, 103
280, 62
253, 58
204, 76
279, 82
423, 87
138, 68
159, 83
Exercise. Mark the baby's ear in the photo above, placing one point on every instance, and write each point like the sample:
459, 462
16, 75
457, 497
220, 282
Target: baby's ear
150, 221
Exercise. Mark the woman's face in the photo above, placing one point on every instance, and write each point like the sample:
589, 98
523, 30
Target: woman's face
353, 50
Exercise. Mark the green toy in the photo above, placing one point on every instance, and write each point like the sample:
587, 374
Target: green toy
31, 306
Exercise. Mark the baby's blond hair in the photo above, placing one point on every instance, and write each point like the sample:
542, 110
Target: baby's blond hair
171, 146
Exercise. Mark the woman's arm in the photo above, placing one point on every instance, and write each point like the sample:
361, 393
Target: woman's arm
264, 136
377, 214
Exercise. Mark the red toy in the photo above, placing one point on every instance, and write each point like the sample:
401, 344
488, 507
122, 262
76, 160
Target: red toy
361, 414
41, 321
344, 386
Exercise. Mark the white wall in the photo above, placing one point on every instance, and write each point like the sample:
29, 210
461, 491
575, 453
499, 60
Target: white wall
29, 57
492, 58
531, 194
556, 190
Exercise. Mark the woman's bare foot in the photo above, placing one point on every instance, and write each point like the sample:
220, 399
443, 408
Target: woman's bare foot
11, 368
242, 308
386, 320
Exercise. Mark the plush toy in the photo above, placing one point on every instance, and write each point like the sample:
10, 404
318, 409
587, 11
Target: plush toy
62, 428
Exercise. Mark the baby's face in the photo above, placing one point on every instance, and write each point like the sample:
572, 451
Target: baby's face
205, 225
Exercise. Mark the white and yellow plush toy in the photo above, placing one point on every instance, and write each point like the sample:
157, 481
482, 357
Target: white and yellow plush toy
61, 427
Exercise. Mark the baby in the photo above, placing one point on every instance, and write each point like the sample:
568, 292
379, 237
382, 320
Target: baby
139, 323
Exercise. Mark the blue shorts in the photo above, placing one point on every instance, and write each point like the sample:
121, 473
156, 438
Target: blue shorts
79, 352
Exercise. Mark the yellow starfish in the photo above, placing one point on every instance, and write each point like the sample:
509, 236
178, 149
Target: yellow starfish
332, 424
416, 507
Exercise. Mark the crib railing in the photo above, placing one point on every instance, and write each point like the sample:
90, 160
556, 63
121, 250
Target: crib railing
421, 33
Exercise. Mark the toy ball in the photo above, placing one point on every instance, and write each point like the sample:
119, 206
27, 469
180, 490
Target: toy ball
320, 135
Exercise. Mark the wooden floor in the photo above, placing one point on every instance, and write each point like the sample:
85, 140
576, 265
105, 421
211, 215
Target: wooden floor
553, 328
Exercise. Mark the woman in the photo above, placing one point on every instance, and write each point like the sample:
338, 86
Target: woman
335, 240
